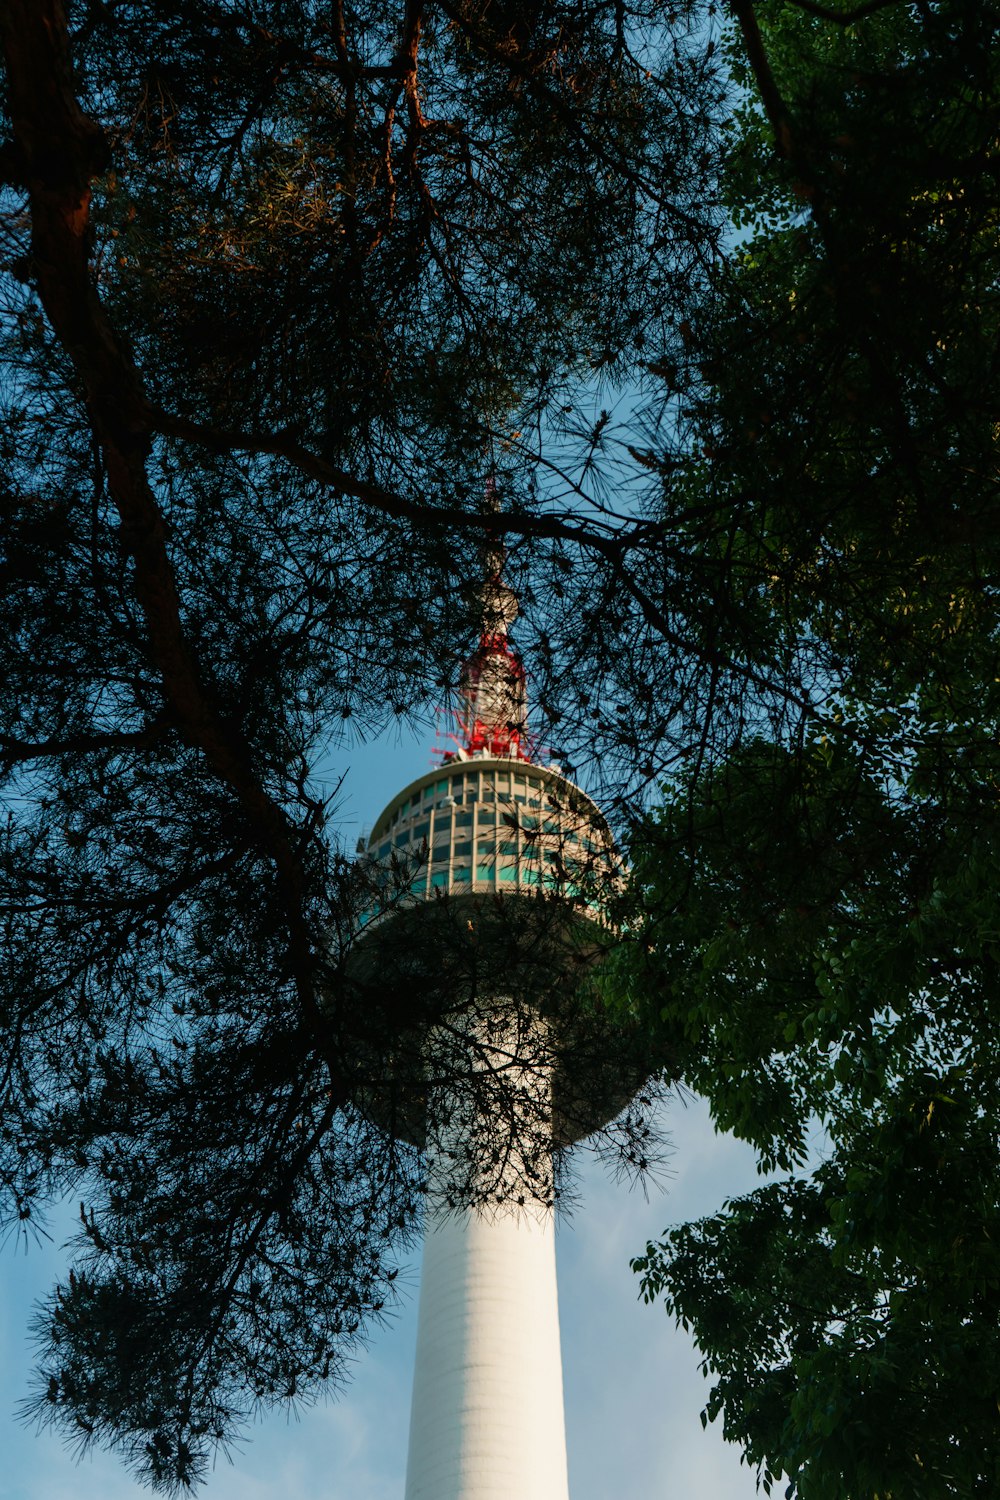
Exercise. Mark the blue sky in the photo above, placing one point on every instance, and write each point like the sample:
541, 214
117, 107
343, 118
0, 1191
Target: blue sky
633, 1391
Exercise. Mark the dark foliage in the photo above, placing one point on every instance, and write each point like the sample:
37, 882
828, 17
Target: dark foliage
815, 943
284, 283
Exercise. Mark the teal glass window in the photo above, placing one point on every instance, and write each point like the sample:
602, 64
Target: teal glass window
508, 872
485, 871
463, 873
439, 878
463, 850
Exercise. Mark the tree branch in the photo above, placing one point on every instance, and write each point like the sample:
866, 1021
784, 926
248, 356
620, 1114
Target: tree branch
610, 544
390, 502
13, 750
62, 150
771, 97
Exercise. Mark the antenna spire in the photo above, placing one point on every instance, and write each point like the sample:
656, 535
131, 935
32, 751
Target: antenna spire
493, 708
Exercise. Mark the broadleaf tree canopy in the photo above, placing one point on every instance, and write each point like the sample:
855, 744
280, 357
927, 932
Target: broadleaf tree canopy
815, 928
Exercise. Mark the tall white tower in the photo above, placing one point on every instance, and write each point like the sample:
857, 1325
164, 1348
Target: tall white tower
501, 1062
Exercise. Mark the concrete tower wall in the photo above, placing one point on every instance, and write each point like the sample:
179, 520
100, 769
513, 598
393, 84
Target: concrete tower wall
487, 1415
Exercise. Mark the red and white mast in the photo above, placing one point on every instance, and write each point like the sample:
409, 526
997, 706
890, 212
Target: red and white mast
493, 708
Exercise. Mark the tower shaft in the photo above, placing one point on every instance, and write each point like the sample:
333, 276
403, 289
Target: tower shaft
487, 1416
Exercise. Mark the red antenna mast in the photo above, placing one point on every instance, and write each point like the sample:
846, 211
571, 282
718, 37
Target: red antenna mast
493, 698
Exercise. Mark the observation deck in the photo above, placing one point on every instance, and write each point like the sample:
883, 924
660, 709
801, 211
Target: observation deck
491, 877
482, 824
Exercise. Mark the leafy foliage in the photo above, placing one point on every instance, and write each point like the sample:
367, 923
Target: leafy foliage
816, 924
831, 961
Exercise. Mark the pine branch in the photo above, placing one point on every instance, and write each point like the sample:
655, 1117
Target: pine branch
63, 151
